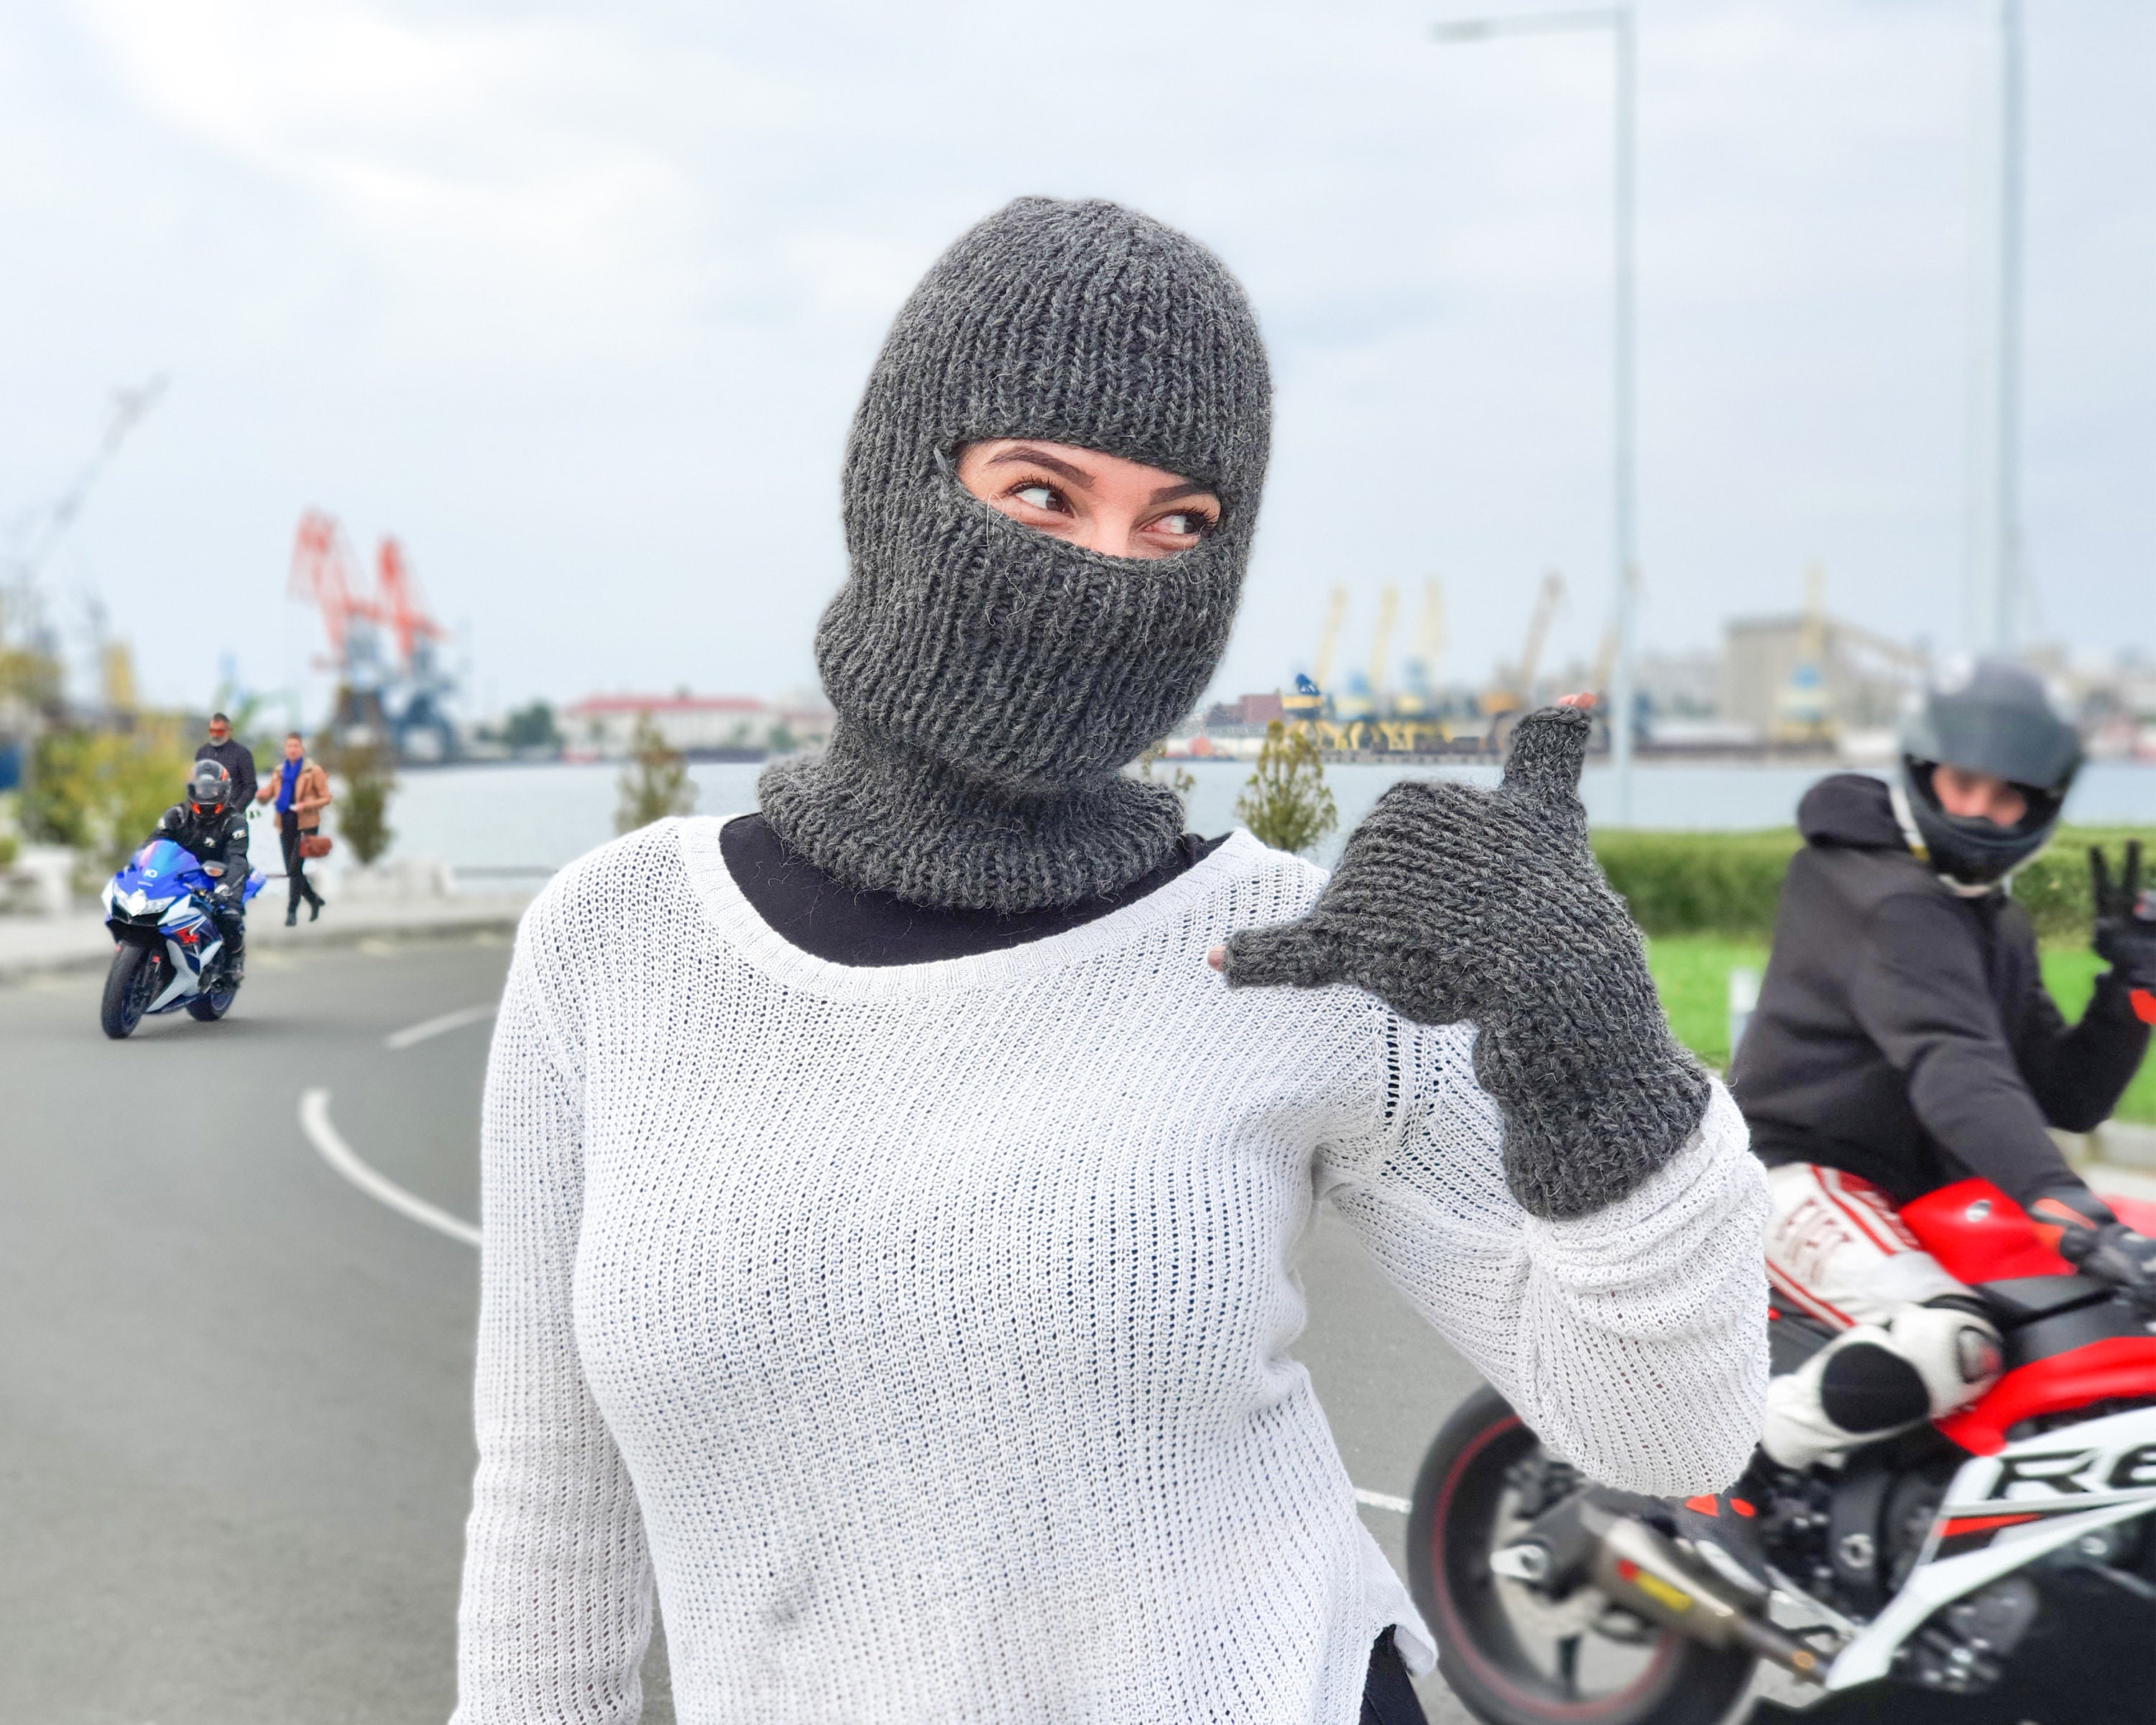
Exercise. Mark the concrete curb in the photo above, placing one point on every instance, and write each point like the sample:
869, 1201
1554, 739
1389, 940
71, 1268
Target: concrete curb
42, 945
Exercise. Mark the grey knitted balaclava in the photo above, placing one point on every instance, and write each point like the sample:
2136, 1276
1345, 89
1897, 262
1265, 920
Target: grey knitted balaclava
990, 681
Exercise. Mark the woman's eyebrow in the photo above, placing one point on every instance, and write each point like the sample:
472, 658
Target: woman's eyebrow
1185, 490
1077, 476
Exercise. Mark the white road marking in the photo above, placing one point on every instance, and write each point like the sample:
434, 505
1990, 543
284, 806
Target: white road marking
315, 1121
1383, 1500
434, 1027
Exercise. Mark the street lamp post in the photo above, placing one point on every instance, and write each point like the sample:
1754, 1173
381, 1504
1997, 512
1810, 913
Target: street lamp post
1994, 548
1618, 21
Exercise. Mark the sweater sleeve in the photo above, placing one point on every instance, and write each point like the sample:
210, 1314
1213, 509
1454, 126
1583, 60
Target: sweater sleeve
557, 1605
1633, 1339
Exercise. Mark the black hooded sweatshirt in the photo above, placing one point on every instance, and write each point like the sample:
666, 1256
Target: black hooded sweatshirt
1903, 1033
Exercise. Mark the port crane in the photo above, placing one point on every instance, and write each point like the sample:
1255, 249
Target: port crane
31, 546
354, 621
1515, 687
1305, 706
1411, 724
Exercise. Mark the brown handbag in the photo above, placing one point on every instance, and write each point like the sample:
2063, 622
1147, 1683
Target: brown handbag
313, 844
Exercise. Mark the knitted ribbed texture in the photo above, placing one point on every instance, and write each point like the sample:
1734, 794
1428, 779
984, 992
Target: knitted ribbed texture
941, 1314
1452, 903
989, 680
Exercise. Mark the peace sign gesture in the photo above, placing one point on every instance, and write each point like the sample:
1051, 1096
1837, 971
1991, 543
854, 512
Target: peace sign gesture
1452, 903
2126, 926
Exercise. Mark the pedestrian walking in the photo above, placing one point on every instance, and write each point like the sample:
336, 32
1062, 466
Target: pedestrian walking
892, 1198
301, 790
237, 759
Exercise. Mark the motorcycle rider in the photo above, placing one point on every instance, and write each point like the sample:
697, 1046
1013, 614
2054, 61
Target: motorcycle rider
208, 822
1903, 1040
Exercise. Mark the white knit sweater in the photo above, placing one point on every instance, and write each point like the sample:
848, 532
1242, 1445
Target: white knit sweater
925, 1331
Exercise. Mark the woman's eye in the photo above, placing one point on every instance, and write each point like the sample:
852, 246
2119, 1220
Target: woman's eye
1185, 523
1039, 497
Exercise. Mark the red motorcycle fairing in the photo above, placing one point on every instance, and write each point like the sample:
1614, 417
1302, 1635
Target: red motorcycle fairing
1979, 1234
2114, 1366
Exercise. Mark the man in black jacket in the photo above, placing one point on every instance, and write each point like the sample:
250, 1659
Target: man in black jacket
1903, 1040
229, 753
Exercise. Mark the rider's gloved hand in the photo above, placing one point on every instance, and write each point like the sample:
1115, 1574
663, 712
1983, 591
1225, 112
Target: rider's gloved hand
2125, 934
1453, 903
2093, 1239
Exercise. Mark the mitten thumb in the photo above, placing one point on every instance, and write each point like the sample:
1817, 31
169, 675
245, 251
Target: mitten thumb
1548, 748
1304, 954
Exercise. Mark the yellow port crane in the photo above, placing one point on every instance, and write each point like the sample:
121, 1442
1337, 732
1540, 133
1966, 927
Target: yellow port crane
1515, 689
1358, 711
1381, 641
1411, 727
1306, 704
1801, 713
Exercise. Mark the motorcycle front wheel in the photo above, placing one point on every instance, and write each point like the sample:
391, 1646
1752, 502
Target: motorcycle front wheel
135, 979
1512, 1655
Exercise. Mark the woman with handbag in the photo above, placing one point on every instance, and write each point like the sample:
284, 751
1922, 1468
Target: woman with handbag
302, 791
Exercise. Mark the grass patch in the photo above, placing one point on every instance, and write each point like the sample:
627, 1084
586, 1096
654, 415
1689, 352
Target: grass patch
1692, 972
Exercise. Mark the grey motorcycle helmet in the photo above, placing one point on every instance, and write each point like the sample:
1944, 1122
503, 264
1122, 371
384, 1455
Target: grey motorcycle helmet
1995, 720
209, 790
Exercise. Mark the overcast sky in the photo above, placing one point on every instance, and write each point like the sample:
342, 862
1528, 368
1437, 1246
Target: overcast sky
576, 301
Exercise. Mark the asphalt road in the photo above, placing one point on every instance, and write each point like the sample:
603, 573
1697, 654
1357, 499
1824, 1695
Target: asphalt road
235, 1445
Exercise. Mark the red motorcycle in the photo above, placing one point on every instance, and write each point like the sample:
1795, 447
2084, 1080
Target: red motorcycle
1999, 1563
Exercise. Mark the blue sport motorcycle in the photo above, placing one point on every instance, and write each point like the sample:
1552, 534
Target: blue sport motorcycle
169, 952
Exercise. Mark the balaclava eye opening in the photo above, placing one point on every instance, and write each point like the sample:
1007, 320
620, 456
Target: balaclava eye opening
991, 681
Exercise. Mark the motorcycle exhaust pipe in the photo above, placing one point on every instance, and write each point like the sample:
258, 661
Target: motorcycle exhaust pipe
1640, 1570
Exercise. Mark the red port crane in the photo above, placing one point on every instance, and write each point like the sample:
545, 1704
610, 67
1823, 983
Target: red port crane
400, 603
324, 574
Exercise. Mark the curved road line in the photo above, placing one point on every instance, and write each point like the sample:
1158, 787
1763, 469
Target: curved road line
315, 1121
434, 1027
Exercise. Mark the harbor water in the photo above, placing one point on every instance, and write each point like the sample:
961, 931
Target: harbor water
535, 817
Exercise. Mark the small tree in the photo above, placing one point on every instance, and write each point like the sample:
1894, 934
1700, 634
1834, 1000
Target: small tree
1179, 779
533, 727
1287, 804
369, 773
655, 783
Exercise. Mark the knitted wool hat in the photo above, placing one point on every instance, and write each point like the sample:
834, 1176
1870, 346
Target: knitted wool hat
990, 681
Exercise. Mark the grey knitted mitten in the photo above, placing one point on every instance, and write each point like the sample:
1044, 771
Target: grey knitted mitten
1454, 903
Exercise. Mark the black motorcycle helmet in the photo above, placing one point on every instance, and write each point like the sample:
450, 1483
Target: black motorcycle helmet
209, 791
1996, 720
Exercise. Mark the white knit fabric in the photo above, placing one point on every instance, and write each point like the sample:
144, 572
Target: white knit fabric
925, 1330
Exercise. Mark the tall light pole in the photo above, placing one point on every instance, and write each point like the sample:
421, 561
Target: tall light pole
1618, 21
1994, 538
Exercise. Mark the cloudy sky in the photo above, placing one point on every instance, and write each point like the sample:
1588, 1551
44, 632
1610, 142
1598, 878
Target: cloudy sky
576, 301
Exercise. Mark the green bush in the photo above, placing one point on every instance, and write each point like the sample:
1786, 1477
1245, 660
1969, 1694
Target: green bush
2054, 888
369, 772
1727, 883
1698, 883
99, 791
